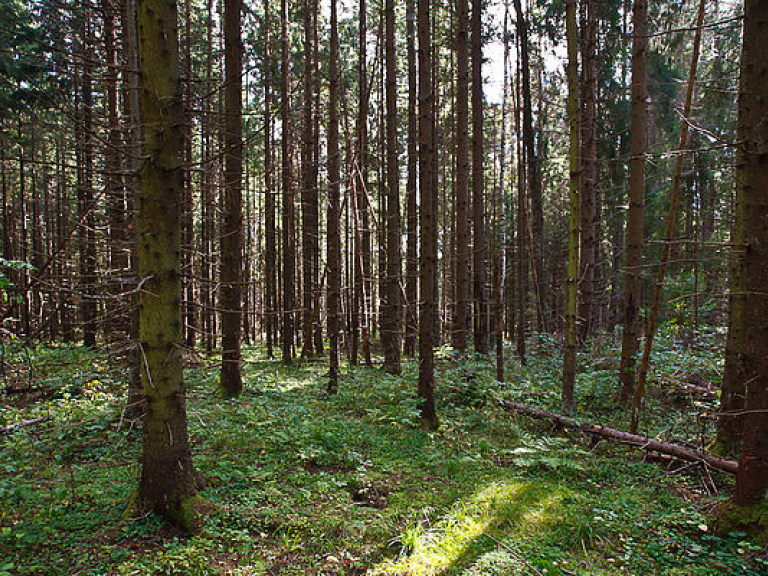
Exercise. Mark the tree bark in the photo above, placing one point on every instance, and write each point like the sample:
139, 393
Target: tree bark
479, 243
87, 236
574, 154
309, 204
427, 220
730, 423
638, 145
231, 263
334, 207
270, 253
168, 480
289, 249
588, 185
462, 230
390, 321
412, 257
752, 479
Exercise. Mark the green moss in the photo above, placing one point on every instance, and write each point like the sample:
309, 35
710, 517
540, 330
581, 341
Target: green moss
190, 513
751, 519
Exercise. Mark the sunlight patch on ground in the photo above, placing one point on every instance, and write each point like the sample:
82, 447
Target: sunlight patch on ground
464, 532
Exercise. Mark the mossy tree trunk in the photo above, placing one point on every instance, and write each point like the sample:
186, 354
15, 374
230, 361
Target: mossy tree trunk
574, 153
168, 480
752, 478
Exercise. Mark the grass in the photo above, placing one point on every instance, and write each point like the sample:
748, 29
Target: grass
304, 483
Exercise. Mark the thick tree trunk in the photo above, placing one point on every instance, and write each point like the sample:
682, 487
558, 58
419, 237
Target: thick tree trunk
752, 479
168, 480
231, 263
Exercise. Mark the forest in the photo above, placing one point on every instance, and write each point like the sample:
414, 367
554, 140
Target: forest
428, 288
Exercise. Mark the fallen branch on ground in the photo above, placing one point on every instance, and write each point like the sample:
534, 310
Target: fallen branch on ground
11, 428
680, 452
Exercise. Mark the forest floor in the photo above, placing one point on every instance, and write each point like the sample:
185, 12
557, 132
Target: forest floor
303, 483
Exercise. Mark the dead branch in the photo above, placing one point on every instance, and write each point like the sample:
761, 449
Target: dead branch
11, 428
680, 452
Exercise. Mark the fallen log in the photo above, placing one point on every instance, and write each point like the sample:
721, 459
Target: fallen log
680, 452
11, 428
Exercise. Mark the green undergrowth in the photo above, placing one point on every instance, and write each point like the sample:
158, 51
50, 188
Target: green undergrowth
303, 483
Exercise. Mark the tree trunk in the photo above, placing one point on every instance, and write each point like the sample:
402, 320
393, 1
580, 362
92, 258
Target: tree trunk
270, 261
752, 479
231, 263
462, 230
334, 207
427, 220
168, 480
289, 250
363, 277
574, 154
390, 321
522, 219
632, 274
479, 245
730, 423
88, 308
309, 208
588, 186
412, 257
501, 248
